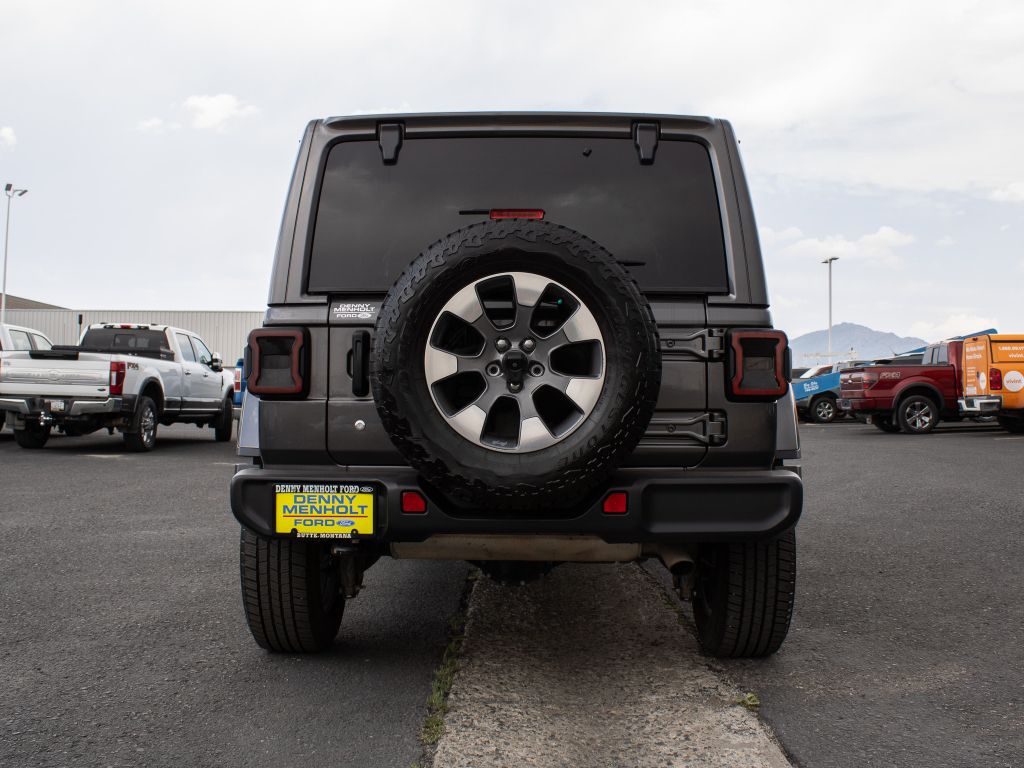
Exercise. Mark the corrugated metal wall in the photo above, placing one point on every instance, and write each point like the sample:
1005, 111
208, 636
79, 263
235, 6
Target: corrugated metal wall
223, 332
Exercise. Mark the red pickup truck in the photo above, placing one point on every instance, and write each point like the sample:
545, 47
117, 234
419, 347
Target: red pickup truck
912, 398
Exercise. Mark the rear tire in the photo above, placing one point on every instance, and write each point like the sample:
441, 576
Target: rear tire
823, 410
917, 414
142, 435
743, 596
224, 423
885, 424
32, 437
291, 591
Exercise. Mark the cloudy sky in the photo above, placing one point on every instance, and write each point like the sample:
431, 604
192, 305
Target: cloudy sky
157, 138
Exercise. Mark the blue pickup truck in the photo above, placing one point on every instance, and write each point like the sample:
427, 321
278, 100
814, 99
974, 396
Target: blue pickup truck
817, 391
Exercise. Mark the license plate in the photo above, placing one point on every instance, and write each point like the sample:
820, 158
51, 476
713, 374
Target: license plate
56, 406
324, 511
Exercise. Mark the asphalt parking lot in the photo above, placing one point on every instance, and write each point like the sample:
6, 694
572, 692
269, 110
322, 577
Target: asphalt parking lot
122, 640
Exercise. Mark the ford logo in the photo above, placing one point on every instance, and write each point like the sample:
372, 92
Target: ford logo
346, 523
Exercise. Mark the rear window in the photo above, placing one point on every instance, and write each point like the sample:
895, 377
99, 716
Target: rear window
125, 340
20, 341
661, 220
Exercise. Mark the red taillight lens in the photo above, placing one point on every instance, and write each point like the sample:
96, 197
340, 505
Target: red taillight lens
277, 361
413, 502
995, 378
516, 213
238, 379
759, 362
869, 378
616, 503
117, 374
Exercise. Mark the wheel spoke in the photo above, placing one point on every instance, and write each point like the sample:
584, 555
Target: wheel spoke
439, 364
469, 422
533, 434
465, 304
584, 392
581, 326
529, 287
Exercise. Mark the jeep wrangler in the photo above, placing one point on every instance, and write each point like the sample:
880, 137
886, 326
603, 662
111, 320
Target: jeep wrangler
518, 340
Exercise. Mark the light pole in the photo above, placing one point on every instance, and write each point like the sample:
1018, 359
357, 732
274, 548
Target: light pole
829, 261
11, 193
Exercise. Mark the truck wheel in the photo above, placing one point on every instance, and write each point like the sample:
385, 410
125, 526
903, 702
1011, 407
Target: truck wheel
515, 364
823, 410
291, 591
1011, 424
141, 436
885, 424
224, 423
743, 596
32, 436
917, 414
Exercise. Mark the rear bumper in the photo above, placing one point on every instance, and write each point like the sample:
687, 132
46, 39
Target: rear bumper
40, 408
663, 506
981, 405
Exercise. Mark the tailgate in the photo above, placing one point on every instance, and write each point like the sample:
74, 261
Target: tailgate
57, 375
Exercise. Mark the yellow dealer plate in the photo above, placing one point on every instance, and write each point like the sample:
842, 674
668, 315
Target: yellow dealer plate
324, 511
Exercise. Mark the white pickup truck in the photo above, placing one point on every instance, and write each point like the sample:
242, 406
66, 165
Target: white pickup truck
125, 377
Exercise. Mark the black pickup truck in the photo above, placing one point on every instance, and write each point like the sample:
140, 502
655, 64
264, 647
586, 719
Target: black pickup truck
518, 340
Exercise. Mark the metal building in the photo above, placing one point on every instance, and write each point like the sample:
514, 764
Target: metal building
223, 332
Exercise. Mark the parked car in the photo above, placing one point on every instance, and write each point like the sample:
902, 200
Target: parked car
593, 377
902, 395
121, 376
993, 378
817, 391
15, 338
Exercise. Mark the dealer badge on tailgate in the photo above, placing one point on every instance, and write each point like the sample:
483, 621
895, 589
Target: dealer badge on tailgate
324, 511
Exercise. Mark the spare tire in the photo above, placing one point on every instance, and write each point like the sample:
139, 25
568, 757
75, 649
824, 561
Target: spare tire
515, 364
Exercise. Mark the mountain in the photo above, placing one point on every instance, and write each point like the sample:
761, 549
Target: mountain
866, 343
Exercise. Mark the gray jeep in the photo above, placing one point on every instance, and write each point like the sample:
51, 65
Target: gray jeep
518, 340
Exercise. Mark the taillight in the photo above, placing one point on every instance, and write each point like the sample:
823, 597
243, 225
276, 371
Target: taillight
277, 359
238, 379
117, 373
759, 364
516, 213
868, 379
995, 378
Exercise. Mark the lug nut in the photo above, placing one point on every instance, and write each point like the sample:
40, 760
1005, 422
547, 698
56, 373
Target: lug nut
528, 345
514, 387
536, 369
502, 344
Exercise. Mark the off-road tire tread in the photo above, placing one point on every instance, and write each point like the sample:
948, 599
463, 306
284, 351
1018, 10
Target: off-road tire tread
758, 607
578, 476
280, 595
